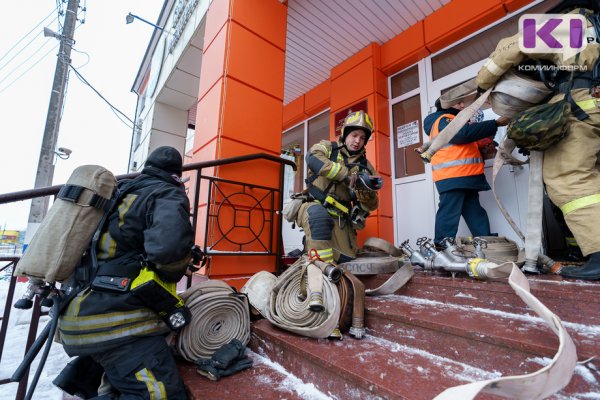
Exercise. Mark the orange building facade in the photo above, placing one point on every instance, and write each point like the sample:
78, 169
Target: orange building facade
243, 106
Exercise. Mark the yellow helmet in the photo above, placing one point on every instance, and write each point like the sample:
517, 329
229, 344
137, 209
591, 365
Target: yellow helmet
357, 120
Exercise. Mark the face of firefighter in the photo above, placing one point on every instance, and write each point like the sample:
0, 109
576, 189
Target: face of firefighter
459, 106
355, 140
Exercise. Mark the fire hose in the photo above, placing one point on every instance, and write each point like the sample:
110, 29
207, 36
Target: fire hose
303, 299
537, 385
219, 315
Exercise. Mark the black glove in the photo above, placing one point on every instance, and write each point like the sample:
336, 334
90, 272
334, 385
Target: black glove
207, 369
237, 366
227, 353
368, 182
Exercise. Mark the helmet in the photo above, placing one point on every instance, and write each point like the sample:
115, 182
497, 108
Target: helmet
357, 120
516, 92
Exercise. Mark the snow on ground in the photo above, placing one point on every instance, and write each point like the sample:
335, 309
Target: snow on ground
14, 350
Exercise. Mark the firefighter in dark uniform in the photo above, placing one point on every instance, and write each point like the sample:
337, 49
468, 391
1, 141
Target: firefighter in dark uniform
458, 168
570, 167
342, 190
151, 222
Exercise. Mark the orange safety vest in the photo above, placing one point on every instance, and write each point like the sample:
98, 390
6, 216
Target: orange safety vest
455, 160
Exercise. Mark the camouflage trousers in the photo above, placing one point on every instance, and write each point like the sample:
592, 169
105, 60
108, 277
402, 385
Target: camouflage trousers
572, 176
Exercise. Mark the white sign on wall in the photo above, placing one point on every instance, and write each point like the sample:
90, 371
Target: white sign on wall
407, 134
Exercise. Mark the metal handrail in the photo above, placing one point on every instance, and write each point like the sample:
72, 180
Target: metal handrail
53, 190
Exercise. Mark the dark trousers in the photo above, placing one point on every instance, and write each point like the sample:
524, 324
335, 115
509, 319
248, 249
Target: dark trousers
144, 369
453, 204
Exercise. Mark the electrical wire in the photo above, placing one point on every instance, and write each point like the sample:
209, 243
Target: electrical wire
22, 62
28, 69
28, 33
114, 109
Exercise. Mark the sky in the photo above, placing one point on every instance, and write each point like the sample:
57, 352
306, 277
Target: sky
107, 52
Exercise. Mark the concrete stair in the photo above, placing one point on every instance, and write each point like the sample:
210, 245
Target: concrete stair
436, 332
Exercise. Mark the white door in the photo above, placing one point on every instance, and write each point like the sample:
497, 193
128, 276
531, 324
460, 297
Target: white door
511, 182
414, 207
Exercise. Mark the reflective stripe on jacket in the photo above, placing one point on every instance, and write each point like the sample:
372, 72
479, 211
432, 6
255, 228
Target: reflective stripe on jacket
455, 160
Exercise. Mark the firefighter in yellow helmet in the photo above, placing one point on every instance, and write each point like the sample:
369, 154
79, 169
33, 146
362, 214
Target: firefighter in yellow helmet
342, 188
570, 168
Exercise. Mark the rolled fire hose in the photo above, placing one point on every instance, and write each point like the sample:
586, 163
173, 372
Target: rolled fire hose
498, 248
540, 384
219, 315
286, 305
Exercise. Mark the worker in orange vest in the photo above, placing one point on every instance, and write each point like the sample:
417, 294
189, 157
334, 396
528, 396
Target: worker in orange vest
458, 168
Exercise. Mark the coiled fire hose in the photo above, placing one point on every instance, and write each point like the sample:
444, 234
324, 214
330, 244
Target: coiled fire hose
219, 315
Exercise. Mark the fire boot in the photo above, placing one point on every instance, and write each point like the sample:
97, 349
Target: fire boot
589, 271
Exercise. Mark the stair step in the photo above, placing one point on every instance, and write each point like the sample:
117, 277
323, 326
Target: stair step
524, 332
575, 301
501, 342
264, 380
371, 368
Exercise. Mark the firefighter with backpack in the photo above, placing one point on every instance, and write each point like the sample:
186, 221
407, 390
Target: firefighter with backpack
114, 325
342, 189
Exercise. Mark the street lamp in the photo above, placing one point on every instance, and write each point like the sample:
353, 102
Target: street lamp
130, 17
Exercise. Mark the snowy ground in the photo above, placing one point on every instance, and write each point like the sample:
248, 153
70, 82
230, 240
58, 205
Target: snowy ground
14, 350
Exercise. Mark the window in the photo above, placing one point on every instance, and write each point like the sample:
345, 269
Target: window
308, 133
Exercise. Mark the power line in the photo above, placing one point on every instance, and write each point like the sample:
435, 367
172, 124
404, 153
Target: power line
113, 108
28, 69
23, 62
28, 33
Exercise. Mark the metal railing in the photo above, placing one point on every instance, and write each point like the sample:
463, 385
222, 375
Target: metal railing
258, 200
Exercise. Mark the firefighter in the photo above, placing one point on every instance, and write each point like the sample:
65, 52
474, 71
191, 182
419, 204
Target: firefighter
342, 188
150, 226
458, 168
570, 167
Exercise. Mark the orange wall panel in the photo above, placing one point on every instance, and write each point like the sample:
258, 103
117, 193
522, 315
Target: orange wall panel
254, 117
514, 5
317, 99
405, 49
353, 61
263, 172
267, 17
216, 17
213, 64
207, 117
386, 228
256, 62
228, 265
382, 114
353, 86
383, 165
459, 18
385, 197
293, 112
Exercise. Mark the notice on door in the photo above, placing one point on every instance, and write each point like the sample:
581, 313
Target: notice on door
407, 134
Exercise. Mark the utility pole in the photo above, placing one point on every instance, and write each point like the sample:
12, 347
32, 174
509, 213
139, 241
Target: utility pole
45, 169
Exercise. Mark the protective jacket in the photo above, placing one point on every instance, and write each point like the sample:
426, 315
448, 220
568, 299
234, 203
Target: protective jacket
327, 230
332, 173
570, 166
460, 164
150, 222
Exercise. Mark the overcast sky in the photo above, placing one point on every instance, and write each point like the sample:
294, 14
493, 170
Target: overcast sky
107, 52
